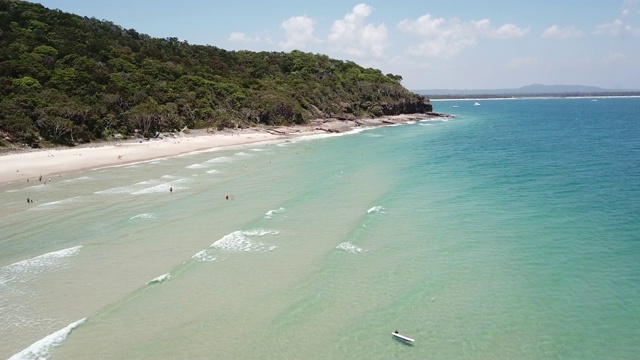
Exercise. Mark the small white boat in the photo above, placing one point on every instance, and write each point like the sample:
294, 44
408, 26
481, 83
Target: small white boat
402, 338
476, 104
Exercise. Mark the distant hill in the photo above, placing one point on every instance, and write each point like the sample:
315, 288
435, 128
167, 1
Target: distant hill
558, 89
528, 90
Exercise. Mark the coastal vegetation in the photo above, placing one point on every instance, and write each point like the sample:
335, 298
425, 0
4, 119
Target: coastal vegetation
67, 79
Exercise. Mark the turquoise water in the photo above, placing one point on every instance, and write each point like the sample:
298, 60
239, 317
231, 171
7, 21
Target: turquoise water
511, 231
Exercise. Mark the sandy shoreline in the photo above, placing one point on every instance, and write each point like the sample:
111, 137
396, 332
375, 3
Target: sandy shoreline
40, 165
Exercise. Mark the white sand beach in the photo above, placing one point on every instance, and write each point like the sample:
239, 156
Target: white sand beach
31, 165
41, 165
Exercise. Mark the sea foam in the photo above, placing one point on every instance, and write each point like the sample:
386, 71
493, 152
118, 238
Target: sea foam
197, 166
269, 214
41, 349
241, 241
159, 279
56, 204
81, 178
143, 216
349, 247
164, 187
219, 160
376, 209
203, 256
37, 265
128, 189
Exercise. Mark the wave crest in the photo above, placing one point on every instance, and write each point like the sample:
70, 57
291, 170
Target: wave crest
241, 241
269, 214
41, 349
349, 247
159, 279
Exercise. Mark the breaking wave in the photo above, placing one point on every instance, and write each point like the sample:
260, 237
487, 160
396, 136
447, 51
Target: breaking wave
56, 204
159, 279
41, 349
376, 209
269, 214
143, 216
349, 247
203, 256
219, 160
243, 241
27, 269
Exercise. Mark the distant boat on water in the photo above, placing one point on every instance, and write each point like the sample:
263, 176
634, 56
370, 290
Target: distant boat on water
476, 104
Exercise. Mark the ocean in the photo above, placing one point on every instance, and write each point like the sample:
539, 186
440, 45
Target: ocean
511, 231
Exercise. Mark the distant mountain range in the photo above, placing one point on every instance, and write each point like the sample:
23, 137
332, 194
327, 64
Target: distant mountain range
533, 90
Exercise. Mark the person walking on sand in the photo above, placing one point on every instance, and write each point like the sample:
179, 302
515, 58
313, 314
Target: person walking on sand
171, 189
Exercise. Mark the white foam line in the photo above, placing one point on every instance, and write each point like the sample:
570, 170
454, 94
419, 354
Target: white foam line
43, 260
160, 279
128, 189
203, 256
377, 209
349, 247
219, 160
143, 216
59, 202
82, 178
197, 166
239, 241
41, 349
269, 214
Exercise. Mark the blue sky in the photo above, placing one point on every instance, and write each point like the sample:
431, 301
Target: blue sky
432, 44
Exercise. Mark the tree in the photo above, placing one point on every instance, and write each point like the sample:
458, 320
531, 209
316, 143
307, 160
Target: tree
56, 128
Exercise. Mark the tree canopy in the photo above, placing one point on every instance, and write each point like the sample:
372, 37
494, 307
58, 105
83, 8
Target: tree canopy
69, 79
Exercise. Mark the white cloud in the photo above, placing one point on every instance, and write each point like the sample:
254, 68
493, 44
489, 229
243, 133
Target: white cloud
446, 38
299, 31
556, 32
353, 36
243, 38
625, 24
508, 31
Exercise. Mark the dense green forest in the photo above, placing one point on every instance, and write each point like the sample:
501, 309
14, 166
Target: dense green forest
67, 79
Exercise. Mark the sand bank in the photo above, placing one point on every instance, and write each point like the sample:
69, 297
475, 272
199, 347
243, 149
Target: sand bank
40, 165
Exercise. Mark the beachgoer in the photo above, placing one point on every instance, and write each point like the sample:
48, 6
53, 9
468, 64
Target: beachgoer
28, 200
227, 197
171, 189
